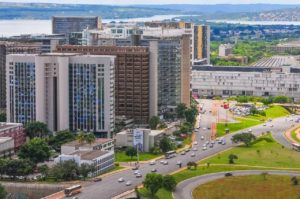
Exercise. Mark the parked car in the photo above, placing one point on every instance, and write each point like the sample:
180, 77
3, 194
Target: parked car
121, 180
139, 175
204, 148
193, 155
228, 174
153, 170
152, 162
128, 183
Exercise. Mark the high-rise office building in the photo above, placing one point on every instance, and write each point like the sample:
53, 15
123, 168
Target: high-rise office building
67, 24
2, 76
131, 78
201, 42
65, 91
170, 70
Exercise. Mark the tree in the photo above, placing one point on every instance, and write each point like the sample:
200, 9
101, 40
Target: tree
36, 150
190, 115
169, 183
232, 158
155, 150
153, 182
165, 144
3, 163
90, 138
153, 122
246, 138
85, 169
37, 129
3, 192
18, 168
162, 125
294, 180
44, 170
81, 137
181, 110
61, 138
192, 164
2, 117
67, 170
131, 151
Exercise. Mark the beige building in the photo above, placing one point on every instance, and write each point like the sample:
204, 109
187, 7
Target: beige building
63, 90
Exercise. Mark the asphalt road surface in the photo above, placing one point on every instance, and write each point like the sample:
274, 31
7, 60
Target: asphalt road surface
110, 187
185, 188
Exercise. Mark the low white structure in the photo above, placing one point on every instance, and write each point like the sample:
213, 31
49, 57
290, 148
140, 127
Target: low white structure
225, 50
100, 144
6, 146
102, 160
148, 137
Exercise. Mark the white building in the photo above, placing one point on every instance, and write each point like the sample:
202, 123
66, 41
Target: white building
225, 50
7, 146
102, 160
148, 139
101, 144
246, 80
65, 91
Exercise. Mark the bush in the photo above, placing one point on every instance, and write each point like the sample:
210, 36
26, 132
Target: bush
117, 164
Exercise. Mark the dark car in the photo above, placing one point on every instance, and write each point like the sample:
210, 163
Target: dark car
97, 179
228, 174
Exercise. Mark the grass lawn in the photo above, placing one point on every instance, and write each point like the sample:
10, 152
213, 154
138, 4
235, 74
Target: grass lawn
161, 194
122, 157
294, 135
272, 112
265, 151
187, 141
242, 124
254, 186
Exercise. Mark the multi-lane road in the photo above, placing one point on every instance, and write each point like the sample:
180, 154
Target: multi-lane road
110, 187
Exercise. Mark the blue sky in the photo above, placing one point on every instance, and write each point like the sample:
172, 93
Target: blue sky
126, 2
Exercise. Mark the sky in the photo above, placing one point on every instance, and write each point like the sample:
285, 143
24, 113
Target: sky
128, 2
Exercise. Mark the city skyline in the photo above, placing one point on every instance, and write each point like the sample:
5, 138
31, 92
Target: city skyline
131, 2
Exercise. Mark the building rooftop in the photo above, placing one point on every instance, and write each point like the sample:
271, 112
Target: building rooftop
277, 62
5, 126
89, 155
97, 142
5, 139
290, 44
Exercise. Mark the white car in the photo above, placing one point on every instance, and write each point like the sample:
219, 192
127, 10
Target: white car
195, 143
136, 172
153, 170
204, 145
202, 137
193, 155
139, 175
204, 148
195, 149
152, 162
271, 125
182, 153
207, 142
121, 180
249, 130
128, 183
178, 162
204, 128
165, 162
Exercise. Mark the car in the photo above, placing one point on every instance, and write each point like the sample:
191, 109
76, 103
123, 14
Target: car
187, 150
182, 153
228, 174
75, 198
195, 149
178, 162
97, 179
121, 180
223, 142
204, 128
162, 161
135, 168
202, 137
204, 145
193, 155
212, 142
271, 125
270, 120
264, 124
165, 162
291, 120
204, 148
249, 130
211, 146
153, 170
139, 175
152, 162
195, 143
207, 142
136, 172
128, 183
208, 127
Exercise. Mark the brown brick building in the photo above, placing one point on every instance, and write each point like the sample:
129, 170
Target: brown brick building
131, 77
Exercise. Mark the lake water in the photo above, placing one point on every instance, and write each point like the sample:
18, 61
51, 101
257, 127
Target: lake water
17, 27
296, 23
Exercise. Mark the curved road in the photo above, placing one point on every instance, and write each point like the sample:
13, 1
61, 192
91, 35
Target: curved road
185, 188
109, 186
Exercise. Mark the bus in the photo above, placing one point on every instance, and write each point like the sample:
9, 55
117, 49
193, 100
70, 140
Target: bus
170, 154
296, 146
71, 191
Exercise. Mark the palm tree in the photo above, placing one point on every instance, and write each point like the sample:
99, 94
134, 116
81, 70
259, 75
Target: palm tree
81, 137
90, 138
